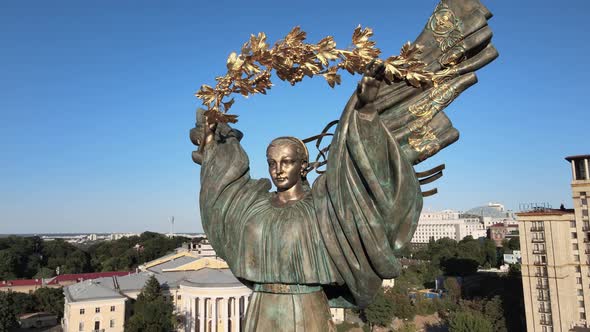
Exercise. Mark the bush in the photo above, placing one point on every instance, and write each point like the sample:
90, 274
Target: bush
346, 326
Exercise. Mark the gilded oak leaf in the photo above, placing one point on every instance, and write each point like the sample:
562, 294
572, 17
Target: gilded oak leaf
361, 36
296, 35
327, 50
332, 77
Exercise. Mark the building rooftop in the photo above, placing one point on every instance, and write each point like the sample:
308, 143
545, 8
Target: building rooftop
582, 156
21, 282
545, 212
491, 211
171, 271
102, 288
84, 276
207, 277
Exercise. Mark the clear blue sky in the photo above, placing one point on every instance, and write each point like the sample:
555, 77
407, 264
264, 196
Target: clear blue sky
96, 101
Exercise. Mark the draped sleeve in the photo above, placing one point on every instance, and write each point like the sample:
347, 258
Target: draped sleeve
367, 203
227, 191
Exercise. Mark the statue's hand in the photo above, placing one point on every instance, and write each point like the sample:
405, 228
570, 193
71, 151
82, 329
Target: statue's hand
368, 86
202, 134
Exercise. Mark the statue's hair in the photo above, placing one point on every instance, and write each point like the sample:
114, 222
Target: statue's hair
301, 149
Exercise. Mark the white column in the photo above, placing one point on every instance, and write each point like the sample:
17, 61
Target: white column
202, 309
193, 314
224, 314
246, 301
185, 311
235, 319
214, 315
198, 306
586, 165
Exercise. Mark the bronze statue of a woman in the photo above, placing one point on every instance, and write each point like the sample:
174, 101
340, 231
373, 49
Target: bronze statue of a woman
303, 249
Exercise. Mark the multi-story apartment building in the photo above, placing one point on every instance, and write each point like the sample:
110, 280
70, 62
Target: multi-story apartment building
449, 224
555, 249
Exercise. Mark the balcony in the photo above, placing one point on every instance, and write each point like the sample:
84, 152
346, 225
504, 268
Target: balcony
546, 322
540, 263
537, 229
543, 298
539, 240
544, 310
541, 252
542, 286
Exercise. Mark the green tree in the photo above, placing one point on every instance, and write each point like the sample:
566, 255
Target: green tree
489, 251
469, 321
380, 311
407, 327
514, 243
453, 288
23, 303
50, 300
151, 313
514, 270
495, 314
8, 264
402, 307
45, 273
7, 312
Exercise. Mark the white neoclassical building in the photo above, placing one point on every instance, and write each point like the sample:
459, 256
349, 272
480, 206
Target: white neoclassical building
202, 288
447, 224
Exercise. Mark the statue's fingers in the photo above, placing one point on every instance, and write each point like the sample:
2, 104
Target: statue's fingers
427, 104
196, 135
482, 58
197, 157
470, 47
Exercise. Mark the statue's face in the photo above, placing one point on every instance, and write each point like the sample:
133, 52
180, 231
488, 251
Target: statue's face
284, 165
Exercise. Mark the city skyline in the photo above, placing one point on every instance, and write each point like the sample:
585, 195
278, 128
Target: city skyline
97, 102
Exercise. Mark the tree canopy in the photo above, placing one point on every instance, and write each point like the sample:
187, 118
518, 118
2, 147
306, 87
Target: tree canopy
151, 312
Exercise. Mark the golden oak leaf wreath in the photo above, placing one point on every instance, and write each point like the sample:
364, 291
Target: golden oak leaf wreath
293, 59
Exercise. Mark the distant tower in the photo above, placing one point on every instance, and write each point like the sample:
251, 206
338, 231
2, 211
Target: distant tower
172, 226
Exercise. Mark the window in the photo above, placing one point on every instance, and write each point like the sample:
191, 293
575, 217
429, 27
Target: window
580, 292
574, 235
584, 201
112, 308
585, 212
112, 324
573, 224
578, 280
580, 169
81, 326
97, 309
575, 246
82, 311
581, 304
576, 258
582, 315
578, 269
178, 297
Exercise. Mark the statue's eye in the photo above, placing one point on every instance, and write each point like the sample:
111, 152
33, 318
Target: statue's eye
271, 163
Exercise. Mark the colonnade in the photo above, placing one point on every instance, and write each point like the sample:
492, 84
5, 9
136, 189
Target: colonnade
215, 313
